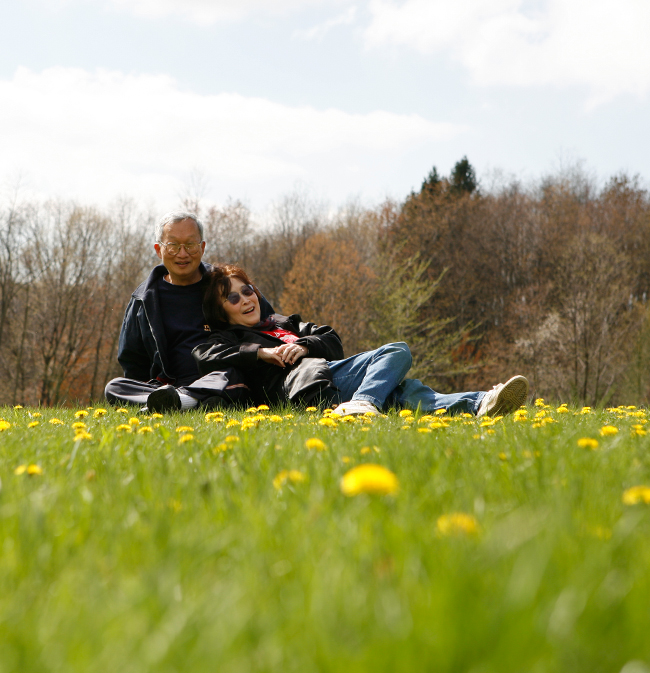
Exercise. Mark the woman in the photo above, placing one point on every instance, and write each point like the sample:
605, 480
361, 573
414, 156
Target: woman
284, 359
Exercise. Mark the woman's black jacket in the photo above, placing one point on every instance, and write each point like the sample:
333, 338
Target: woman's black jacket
310, 378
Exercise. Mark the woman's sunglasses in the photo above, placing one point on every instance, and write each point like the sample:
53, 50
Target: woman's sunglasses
234, 297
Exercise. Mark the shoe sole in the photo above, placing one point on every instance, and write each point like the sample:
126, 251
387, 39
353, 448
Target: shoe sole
164, 399
510, 397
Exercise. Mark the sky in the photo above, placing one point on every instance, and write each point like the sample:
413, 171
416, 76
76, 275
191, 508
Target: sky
347, 99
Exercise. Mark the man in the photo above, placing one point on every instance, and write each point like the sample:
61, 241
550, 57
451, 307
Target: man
164, 322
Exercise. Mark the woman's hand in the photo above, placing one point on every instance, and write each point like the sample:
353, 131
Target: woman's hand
291, 353
284, 355
271, 356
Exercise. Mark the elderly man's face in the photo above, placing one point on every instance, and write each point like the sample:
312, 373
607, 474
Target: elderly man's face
183, 267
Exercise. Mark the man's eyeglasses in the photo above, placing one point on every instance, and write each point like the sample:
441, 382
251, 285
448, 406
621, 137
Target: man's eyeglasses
234, 297
174, 248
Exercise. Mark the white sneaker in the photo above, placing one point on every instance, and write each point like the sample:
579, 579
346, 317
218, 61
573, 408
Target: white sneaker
504, 398
356, 407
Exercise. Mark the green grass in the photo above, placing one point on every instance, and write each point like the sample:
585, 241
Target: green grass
134, 552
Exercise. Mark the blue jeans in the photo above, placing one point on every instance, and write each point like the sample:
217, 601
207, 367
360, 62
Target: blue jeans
378, 377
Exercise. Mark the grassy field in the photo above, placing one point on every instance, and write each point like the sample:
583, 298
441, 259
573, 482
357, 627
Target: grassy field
225, 543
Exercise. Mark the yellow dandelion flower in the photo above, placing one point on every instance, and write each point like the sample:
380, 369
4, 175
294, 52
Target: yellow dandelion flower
631, 407
251, 410
231, 439
4, 425
503, 456
538, 425
232, 423
315, 444
36, 414
98, 413
34, 469
327, 422
488, 422
288, 416
369, 478
219, 448
585, 410
33, 424
608, 430
157, 416
368, 415
291, 476
349, 419
365, 429
636, 494
56, 421
541, 414
18, 406
427, 418
437, 425
539, 402
588, 443
184, 428
134, 421
489, 431
440, 412
123, 428
82, 413
365, 450
423, 430
185, 438
263, 407
457, 524
345, 459
275, 419
404, 413
145, 429
21, 469
78, 425
81, 435
122, 410
311, 409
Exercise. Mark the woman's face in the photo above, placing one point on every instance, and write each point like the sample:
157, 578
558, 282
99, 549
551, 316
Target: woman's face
246, 311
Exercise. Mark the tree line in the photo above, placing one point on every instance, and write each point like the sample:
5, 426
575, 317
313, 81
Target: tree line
548, 279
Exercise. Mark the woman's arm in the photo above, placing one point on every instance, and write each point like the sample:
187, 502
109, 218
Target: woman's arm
320, 340
223, 350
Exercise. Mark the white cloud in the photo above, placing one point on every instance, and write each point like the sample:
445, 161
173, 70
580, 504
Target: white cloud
94, 135
318, 32
205, 12
601, 45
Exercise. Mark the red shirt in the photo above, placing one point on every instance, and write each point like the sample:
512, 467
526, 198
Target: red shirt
282, 334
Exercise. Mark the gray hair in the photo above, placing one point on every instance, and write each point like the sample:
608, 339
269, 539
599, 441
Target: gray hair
173, 217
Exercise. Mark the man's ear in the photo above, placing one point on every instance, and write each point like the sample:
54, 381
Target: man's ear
157, 247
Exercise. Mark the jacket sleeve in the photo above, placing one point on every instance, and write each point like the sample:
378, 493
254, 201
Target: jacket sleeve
321, 340
223, 350
131, 351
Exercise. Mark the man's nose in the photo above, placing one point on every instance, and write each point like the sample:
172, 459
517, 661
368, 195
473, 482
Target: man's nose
182, 252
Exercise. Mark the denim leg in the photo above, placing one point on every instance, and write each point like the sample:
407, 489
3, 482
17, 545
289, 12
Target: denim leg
411, 394
371, 376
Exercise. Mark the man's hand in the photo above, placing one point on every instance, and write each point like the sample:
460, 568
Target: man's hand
284, 355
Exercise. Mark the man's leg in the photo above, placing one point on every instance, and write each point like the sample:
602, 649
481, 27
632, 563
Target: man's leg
411, 394
371, 376
129, 391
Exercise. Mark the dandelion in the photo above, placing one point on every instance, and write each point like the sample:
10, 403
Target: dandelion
231, 439
369, 478
639, 430
349, 420
82, 413
315, 444
585, 410
98, 413
4, 425
440, 412
426, 419
232, 423
18, 406
36, 414
275, 419
327, 422
123, 428
288, 416
134, 421
81, 435
436, 425
345, 459
33, 424
405, 413
185, 438
251, 410
520, 415
311, 409
220, 448
588, 443
157, 416
184, 428
457, 524
636, 494
145, 429
541, 414
562, 409
539, 402
503, 456
122, 410
56, 421
424, 430
78, 426
263, 407
608, 430
365, 450
31, 470
291, 476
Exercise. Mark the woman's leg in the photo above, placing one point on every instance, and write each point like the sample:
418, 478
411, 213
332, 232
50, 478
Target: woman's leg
411, 394
372, 376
